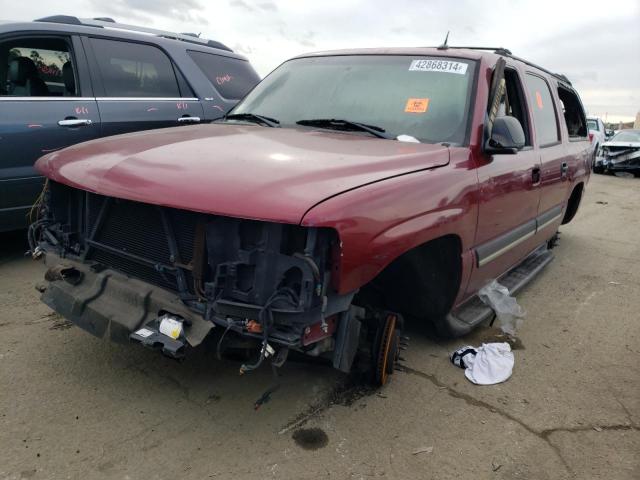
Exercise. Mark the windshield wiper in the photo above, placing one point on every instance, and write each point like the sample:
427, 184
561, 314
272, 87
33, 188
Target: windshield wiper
253, 117
340, 124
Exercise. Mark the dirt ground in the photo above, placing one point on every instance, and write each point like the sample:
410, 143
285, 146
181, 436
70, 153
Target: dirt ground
73, 406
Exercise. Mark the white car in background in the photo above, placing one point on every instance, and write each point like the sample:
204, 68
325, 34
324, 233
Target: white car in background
596, 133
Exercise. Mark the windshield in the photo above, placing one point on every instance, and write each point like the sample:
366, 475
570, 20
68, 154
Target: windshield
426, 98
593, 125
629, 136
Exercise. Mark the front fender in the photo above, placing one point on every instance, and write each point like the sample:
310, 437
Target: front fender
379, 222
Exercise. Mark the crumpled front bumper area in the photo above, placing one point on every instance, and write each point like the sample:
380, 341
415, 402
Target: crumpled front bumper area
107, 302
619, 159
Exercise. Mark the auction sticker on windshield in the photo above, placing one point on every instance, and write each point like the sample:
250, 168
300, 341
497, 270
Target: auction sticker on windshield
438, 66
417, 105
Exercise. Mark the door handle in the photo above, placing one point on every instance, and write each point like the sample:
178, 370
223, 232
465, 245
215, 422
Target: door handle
189, 120
564, 168
535, 175
74, 122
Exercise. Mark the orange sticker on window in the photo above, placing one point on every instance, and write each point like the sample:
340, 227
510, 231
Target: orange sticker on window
417, 105
539, 100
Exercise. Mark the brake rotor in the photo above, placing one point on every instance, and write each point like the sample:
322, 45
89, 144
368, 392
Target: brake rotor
387, 349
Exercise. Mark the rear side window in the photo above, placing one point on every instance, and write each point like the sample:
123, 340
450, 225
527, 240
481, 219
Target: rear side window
134, 70
544, 115
574, 114
232, 77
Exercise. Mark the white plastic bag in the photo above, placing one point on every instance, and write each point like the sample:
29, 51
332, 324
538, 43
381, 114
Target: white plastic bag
510, 314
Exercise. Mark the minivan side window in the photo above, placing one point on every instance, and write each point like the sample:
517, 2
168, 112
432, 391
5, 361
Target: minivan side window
37, 67
231, 77
544, 114
134, 70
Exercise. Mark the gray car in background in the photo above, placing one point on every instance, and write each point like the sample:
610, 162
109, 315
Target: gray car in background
65, 80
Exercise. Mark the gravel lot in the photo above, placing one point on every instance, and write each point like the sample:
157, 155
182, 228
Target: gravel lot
73, 406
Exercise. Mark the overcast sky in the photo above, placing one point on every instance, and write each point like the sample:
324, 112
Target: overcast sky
595, 43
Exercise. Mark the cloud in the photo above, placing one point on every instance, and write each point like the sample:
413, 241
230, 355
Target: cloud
268, 6
597, 48
143, 11
243, 49
600, 59
241, 4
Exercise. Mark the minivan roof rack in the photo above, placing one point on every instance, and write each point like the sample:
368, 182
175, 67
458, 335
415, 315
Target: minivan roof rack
106, 22
507, 53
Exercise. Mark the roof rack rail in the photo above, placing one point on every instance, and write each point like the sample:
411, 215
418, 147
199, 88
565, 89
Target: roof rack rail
106, 22
499, 50
68, 19
507, 53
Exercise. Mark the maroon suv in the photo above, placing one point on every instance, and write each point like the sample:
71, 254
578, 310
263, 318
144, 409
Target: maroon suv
347, 191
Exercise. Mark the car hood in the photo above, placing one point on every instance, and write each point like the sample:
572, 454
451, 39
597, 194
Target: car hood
236, 170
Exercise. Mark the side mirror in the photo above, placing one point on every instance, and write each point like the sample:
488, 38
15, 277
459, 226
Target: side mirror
507, 137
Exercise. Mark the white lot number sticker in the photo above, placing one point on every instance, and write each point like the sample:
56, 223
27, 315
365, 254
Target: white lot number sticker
144, 332
446, 66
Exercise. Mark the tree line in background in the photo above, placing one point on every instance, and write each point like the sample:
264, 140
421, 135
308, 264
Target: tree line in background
49, 71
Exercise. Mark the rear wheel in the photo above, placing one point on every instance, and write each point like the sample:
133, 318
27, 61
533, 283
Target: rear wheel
573, 204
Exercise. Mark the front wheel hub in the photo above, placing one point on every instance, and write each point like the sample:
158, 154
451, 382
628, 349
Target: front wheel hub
387, 351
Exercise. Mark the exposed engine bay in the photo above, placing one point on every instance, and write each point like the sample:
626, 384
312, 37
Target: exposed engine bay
167, 278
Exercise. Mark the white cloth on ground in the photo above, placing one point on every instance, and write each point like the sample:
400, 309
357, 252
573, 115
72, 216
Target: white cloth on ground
492, 363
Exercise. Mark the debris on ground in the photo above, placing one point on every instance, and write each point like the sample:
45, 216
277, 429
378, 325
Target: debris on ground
510, 315
422, 450
488, 364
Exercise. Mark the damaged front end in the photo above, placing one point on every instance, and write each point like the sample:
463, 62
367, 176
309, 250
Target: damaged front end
618, 158
166, 278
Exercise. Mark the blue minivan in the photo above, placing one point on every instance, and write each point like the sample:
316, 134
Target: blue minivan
65, 80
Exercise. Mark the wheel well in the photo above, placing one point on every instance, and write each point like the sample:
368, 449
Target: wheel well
422, 282
573, 203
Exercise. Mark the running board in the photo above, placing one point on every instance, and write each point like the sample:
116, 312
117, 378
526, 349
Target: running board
473, 311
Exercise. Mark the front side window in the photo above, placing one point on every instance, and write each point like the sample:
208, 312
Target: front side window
232, 77
544, 114
512, 102
426, 98
37, 67
134, 70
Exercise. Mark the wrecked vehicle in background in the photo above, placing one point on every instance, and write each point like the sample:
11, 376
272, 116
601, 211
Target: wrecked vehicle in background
347, 191
621, 154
